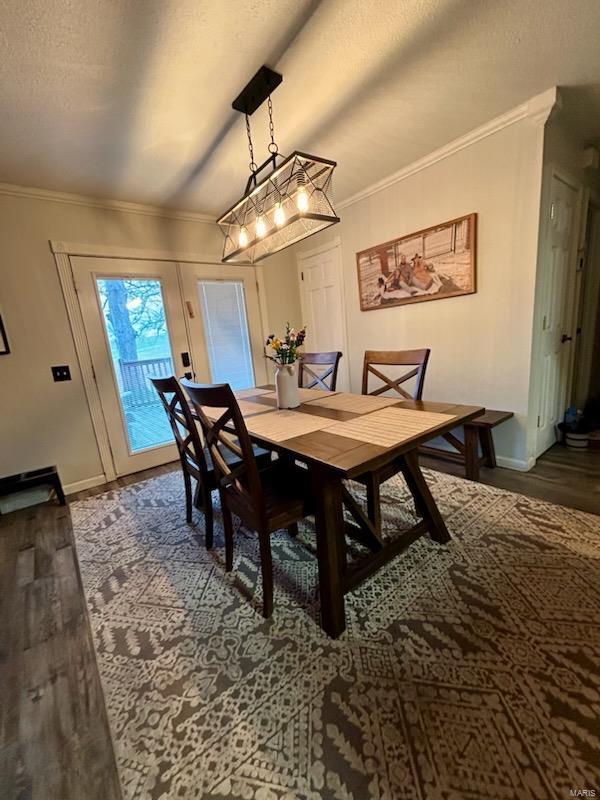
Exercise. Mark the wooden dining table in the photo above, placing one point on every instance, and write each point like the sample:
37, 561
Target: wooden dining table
340, 436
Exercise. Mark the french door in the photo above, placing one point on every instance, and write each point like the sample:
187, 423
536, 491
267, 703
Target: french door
146, 319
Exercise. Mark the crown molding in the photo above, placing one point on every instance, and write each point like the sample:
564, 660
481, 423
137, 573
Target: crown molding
12, 190
537, 109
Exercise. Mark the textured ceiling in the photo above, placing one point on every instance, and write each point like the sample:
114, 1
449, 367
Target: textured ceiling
130, 99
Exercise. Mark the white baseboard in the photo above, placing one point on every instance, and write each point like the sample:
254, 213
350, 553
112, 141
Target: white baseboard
87, 483
515, 463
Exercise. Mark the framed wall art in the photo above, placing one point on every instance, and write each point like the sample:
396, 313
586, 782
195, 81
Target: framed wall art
4, 348
431, 264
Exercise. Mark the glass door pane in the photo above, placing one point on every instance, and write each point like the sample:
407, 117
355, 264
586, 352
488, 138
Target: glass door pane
226, 334
134, 318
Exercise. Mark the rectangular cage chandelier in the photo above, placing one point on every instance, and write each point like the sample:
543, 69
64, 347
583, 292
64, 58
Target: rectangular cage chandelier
291, 202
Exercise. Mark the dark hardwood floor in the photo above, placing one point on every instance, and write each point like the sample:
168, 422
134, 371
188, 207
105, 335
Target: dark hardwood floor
563, 476
55, 741
54, 738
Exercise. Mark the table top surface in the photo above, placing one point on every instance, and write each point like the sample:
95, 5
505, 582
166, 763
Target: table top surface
349, 433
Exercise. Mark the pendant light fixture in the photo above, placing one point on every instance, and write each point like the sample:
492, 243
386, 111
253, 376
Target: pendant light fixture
291, 200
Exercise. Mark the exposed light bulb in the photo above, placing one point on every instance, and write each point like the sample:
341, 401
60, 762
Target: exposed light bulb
243, 236
279, 215
261, 228
302, 199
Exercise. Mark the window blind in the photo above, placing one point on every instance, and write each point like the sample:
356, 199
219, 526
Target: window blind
226, 332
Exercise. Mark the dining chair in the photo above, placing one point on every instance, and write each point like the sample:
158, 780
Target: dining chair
195, 459
417, 360
265, 500
312, 377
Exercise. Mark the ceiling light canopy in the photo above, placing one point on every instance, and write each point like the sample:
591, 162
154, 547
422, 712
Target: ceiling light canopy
289, 203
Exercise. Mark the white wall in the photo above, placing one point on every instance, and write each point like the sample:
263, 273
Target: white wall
42, 422
481, 343
282, 291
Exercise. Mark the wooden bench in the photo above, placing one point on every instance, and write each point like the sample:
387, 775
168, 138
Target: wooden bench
47, 476
477, 432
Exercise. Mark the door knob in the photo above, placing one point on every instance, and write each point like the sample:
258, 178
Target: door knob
564, 338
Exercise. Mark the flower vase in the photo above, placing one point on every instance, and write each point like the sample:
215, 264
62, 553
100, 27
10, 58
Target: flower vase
286, 382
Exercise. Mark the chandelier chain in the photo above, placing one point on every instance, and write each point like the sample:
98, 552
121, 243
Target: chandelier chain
273, 148
253, 165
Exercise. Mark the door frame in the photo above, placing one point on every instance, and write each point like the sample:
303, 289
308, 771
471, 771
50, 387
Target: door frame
553, 172
332, 245
62, 252
588, 310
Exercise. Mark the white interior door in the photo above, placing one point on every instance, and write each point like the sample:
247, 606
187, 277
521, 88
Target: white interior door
322, 299
224, 323
135, 328
561, 244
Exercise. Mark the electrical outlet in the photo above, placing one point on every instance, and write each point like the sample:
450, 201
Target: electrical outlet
61, 373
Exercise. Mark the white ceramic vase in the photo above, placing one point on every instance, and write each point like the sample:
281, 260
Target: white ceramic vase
286, 382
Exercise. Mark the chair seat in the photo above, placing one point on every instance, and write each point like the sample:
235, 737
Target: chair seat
263, 458
287, 495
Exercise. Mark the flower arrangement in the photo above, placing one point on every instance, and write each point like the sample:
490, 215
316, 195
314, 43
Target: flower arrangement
286, 349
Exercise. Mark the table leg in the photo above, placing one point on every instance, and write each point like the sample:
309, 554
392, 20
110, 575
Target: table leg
331, 548
471, 453
424, 501
374, 501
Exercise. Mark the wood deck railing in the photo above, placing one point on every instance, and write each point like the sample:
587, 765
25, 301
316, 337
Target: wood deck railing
137, 389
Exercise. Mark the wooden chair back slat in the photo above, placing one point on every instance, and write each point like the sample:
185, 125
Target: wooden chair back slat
399, 358
183, 425
243, 480
309, 379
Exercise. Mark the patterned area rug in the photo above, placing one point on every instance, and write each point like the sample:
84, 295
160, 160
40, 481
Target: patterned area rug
467, 671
